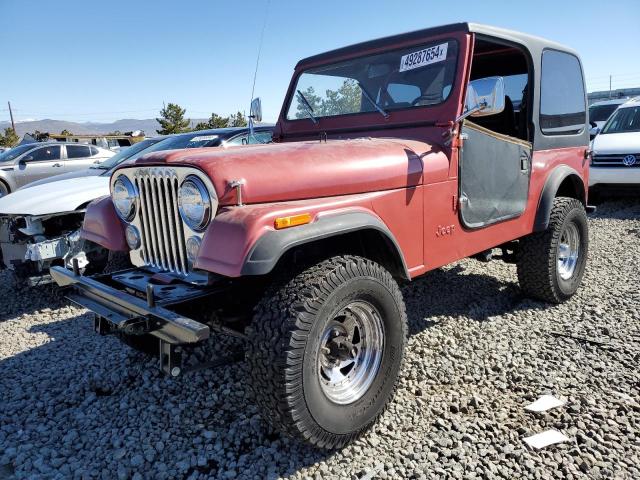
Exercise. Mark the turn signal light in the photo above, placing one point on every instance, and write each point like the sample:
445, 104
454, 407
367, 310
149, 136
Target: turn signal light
292, 221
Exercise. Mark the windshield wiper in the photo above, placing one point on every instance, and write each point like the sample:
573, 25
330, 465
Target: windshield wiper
382, 111
307, 107
99, 167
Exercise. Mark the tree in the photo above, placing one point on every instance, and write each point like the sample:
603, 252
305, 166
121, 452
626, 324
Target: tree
237, 120
215, 121
172, 120
115, 132
10, 138
66, 132
346, 99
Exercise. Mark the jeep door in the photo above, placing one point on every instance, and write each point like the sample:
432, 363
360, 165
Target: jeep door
40, 163
495, 154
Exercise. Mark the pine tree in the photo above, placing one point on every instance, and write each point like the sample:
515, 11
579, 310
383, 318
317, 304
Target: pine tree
172, 120
10, 138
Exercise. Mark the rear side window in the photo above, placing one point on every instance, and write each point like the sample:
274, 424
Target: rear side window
94, 151
46, 153
78, 151
562, 102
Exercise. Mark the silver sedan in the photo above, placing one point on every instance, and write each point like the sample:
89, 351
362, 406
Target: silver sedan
27, 163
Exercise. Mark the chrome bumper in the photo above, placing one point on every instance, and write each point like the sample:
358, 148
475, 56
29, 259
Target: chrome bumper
130, 314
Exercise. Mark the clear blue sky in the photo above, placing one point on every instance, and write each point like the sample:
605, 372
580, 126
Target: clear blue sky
104, 60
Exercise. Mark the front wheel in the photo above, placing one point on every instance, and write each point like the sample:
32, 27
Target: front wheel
551, 263
4, 189
326, 349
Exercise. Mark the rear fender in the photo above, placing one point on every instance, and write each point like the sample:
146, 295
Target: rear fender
564, 181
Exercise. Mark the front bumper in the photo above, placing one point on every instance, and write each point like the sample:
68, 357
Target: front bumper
614, 176
131, 314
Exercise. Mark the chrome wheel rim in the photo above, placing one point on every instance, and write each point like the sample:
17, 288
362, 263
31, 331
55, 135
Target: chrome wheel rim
350, 352
568, 251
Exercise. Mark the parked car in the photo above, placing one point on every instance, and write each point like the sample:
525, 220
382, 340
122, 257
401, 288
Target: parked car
615, 162
599, 112
386, 164
39, 223
33, 161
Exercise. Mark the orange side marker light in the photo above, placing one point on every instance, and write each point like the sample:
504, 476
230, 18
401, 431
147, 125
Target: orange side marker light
292, 221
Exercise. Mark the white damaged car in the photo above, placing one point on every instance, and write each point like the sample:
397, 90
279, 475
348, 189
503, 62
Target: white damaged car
40, 223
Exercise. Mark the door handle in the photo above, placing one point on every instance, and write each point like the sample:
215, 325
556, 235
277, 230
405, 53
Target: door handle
56, 165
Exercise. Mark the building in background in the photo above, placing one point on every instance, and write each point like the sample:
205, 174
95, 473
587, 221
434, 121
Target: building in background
617, 93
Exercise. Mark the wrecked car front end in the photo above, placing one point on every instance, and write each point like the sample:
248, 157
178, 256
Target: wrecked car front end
31, 244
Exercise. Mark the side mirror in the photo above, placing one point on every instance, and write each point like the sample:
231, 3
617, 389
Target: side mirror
23, 161
256, 110
485, 96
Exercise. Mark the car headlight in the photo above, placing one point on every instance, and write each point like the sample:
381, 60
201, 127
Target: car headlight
194, 203
124, 197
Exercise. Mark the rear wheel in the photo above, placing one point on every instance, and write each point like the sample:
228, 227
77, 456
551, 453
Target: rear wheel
326, 349
551, 263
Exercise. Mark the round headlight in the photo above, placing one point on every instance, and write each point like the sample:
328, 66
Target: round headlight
133, 237
194, 203
124, 197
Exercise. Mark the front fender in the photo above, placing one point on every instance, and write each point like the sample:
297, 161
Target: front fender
9, 179
243, 241
103, 226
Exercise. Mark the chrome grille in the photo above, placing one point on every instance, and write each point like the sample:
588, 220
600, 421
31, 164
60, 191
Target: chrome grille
161, 229
614, 160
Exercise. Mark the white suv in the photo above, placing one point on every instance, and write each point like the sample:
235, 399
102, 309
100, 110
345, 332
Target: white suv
616, 150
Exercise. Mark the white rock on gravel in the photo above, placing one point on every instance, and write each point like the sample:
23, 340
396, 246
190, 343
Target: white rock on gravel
74, 404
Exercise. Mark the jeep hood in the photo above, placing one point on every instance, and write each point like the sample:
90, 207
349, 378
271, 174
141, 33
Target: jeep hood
56, 197
300, 170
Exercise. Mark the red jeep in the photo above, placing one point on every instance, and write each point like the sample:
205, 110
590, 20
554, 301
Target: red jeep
391, 158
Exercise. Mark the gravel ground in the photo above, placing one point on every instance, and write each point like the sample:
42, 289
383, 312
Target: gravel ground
73, 404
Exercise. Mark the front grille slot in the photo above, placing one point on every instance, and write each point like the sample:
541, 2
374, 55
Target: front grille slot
614, 160
162, 232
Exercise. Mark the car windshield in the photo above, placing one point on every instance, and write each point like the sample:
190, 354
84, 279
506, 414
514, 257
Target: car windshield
192, 140
129, 152
623, 120
15, 152
410, 77
599, 113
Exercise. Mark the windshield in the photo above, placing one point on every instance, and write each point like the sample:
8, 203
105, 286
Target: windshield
16, 152
123, 155
175, 142
623, 120
407, 78
599, 113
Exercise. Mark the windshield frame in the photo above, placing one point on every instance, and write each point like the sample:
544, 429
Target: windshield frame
446, 110
619, 111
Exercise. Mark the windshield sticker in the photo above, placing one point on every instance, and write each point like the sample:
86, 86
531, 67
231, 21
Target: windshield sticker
203, 138
424, 57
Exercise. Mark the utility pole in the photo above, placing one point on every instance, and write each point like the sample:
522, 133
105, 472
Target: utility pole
609, 86
13, 125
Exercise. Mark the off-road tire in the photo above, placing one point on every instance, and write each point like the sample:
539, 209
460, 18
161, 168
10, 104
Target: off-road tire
4, 189
538, 254
284, 340
116, 262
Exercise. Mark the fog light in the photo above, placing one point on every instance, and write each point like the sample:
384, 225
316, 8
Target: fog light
133, 237
193, 247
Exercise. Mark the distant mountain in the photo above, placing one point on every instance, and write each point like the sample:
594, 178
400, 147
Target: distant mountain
149, 126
